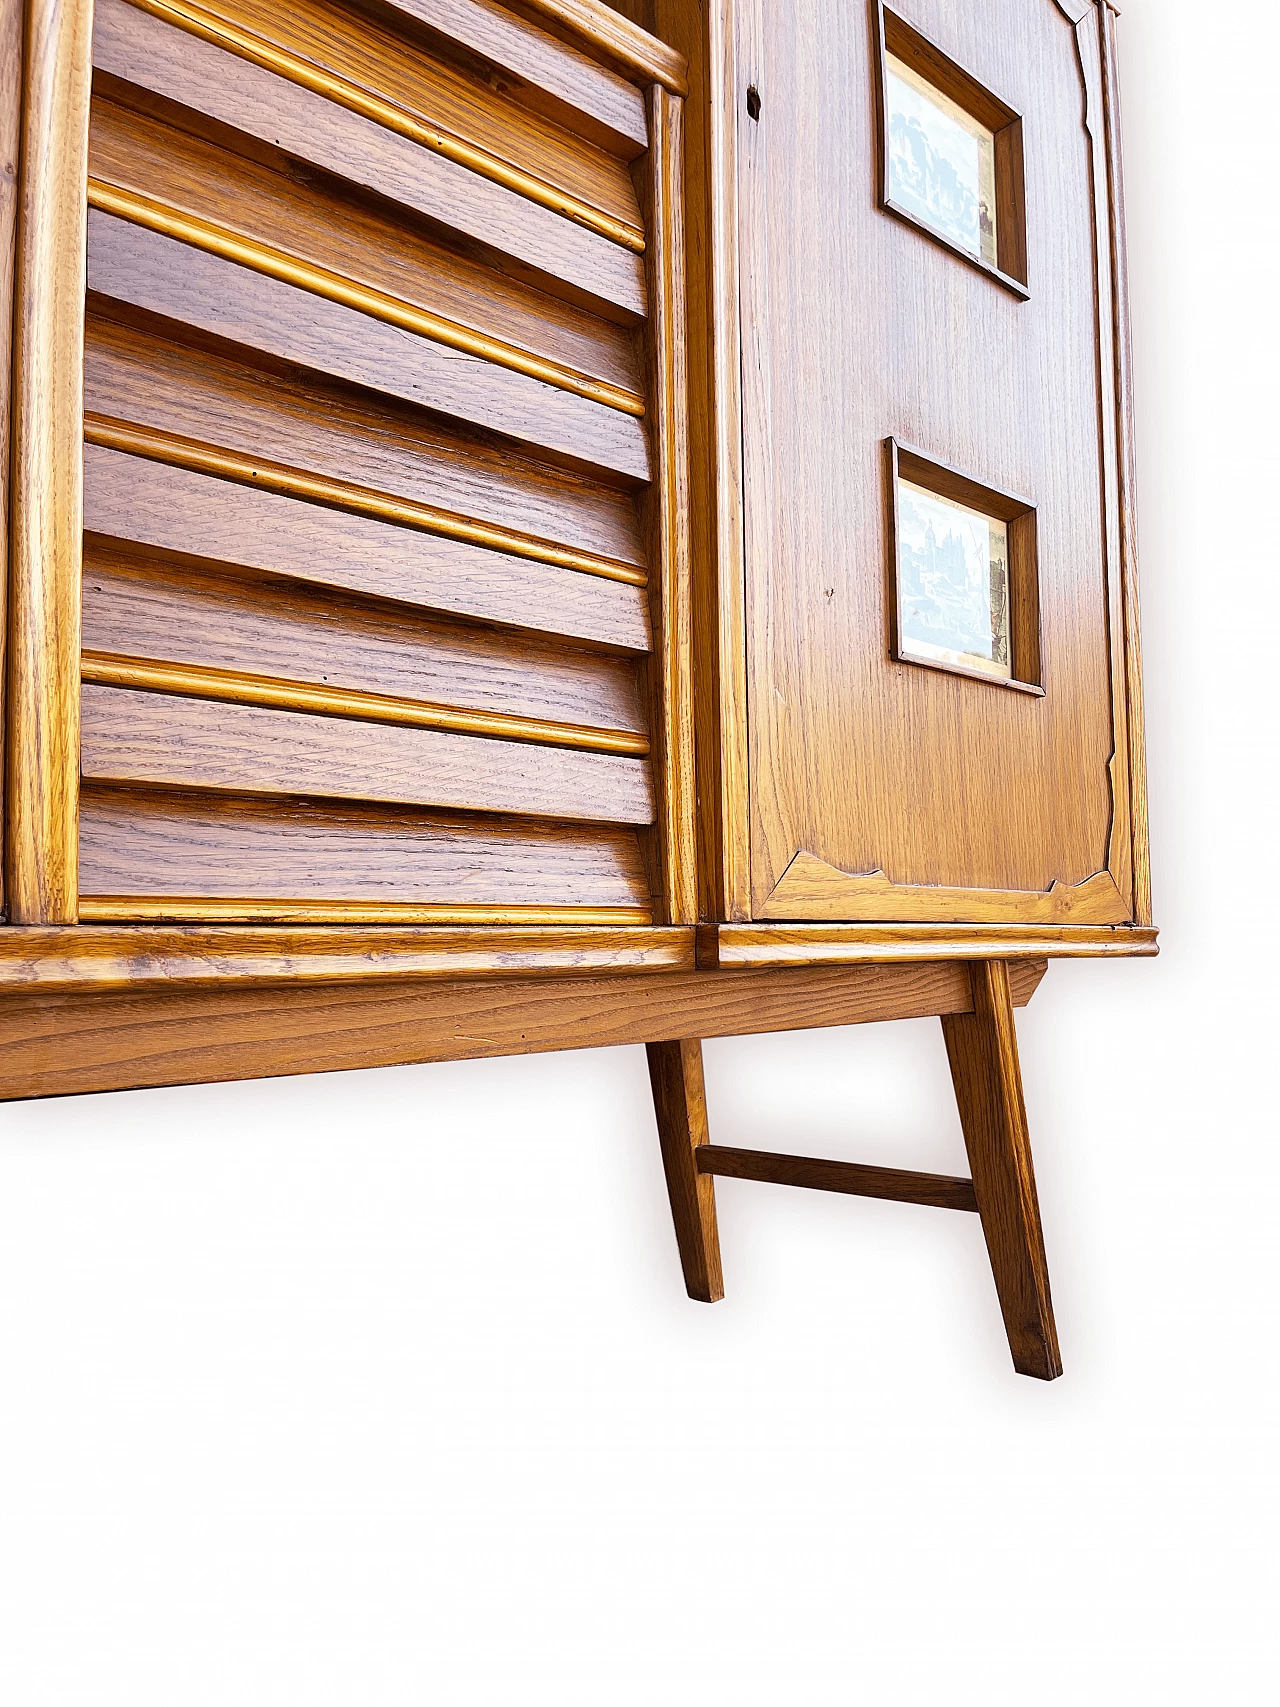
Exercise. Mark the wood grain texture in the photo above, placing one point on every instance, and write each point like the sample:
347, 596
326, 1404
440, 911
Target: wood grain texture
163, 851
314, 439
372, 70
680, 1108
144, 606
141, 49
44, 522
982, 1047
851, 944
318, 235
549, 75
120, 958
111, 1037
852, 1179
671, 665
11, 22
235, 687
708, 41
866, 764
810, 889
620, 39
162, 741
1128, 518
220, 521
160, 275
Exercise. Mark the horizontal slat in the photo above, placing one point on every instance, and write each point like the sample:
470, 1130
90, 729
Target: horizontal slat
382, 455
551, 77
163, 276
171, 509
188, 187
373, 71
187, 743
941, 1191
172, 846
607, 31
148, 608
140, 49
154, 675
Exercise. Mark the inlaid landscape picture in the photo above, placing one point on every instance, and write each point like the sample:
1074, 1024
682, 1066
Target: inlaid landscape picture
941, 162
953, 584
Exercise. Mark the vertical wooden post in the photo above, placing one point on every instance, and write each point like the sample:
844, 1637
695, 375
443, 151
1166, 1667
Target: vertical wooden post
46, 504
673, 876
983, 1050
680, 1103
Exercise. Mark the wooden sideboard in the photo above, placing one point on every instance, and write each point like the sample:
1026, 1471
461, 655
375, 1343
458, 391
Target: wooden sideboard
527, 531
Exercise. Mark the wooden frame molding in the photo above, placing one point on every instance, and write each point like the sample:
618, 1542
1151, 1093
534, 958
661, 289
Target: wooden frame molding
938, 478
856, 944
43, 687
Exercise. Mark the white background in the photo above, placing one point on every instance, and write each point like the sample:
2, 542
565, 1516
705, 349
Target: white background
382, 1388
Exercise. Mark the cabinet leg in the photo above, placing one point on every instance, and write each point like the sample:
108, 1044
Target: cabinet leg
983, 1051
680, 1103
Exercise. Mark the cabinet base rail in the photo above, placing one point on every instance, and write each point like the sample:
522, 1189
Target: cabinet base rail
983, 1051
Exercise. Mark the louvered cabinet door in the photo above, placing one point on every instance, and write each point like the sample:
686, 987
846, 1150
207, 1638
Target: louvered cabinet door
384, 608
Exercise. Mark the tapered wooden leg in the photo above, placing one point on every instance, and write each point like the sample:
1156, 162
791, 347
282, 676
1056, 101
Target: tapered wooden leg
680, 1103
983, 1050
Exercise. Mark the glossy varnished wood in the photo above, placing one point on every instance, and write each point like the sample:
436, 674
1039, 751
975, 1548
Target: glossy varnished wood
142, 501
169, 62
162, 854
551, 75
861, 763
145, 607
983, 1050
256, 1010
42, 698
283, 322
680, 1108
10, 139
161, 740
851, 1179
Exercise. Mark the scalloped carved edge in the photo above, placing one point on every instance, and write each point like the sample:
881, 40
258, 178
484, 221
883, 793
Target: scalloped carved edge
810, 889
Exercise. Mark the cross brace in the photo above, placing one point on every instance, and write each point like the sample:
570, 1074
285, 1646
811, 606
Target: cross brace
983, 1052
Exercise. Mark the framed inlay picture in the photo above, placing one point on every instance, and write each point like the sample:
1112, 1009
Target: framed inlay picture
964, 573
950, 154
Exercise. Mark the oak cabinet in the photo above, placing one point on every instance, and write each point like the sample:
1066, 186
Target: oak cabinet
541, 524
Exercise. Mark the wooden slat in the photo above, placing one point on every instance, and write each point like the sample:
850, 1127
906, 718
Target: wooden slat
158, 845
190, 187
381, 454
236, 687
105, 1039
45, 525
597, 23
370, 69
153, 609
174, 510
551, 76
165, 742
163, 276
853, 1179
140, 49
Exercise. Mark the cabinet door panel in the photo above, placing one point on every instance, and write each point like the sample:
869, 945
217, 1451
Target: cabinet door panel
883, 789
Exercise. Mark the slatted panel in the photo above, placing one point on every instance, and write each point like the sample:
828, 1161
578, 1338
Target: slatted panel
369, 596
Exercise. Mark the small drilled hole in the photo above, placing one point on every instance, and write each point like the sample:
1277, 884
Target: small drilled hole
753, 102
